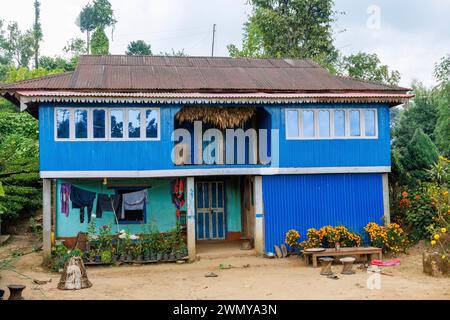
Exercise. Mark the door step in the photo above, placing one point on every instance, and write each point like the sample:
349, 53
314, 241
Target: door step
223, 254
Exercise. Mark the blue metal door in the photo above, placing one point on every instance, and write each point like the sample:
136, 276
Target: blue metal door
210, 208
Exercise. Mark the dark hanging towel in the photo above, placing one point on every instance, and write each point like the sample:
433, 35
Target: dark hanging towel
65, 196
110, 203
82, 199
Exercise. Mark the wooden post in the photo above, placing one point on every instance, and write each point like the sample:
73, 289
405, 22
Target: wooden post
259, 215
191, 218
47, 216
53, 221
386, 207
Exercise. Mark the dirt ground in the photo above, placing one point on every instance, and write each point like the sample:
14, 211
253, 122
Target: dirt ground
262, 279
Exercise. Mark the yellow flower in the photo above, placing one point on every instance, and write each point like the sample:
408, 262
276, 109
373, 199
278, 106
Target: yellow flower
433, 243
443, 257
443, 230
436, 236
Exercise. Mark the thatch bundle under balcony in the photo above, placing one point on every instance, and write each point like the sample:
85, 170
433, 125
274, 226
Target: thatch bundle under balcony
221, 117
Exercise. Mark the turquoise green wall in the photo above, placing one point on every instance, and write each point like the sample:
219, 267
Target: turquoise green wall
160, 209
233, 204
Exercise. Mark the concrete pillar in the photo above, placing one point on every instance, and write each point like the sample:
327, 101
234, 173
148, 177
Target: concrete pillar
190, 191
47, 216
259, 215
386, 206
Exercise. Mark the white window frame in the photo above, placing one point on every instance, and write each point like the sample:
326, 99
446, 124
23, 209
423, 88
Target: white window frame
332, 136
108, 137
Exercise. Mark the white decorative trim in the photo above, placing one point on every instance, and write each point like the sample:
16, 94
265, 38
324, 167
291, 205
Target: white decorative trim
331, 119
250, 99
210, 172
23, 103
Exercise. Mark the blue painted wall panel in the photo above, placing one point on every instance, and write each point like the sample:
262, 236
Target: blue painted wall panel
156, 155
312, 201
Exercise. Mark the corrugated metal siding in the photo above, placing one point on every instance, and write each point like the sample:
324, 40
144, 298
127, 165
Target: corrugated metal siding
312, 201
154, 155
338, 152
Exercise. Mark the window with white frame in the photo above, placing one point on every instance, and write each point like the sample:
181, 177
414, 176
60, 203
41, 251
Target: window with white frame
100, 124
305, 124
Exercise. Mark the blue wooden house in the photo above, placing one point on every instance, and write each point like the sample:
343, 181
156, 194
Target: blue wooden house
145, 124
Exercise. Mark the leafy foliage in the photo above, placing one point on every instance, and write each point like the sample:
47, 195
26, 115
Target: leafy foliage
441, 94
75, 47
17, 45
289, 28
421, 114
138, 47
100, 42
421, 154
96, 16
19, 162
366, 66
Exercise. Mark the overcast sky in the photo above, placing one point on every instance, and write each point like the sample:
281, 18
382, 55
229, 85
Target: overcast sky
408, 35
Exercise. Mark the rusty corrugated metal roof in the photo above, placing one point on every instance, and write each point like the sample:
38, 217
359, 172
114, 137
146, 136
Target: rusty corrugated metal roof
198, 74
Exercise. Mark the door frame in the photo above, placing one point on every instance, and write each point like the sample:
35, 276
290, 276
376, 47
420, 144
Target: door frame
225, 217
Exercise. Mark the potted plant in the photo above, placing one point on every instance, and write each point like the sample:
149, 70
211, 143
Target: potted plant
122, 245
138, 252
181, 252
106, 257
114, 255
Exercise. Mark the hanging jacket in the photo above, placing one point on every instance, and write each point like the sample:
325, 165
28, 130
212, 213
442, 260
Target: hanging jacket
65, 196
134, 201
82, 199
109, 203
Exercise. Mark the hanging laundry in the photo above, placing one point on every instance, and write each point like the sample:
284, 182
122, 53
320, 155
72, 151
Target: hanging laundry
107, 202
178, 195
82, 199
134, 201
65, 197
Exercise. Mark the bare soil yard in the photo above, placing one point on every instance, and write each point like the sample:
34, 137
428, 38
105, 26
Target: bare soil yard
262, 279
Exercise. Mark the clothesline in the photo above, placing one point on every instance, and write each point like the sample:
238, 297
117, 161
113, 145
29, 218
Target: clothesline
84, 199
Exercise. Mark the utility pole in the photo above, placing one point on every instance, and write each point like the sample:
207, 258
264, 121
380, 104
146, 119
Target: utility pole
213, 39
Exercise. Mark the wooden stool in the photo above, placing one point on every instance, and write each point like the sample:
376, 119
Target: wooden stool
325, 263
347, 265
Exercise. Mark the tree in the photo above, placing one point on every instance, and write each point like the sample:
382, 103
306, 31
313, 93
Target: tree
100, 42
422, 113
367, 66
19, 45
19, 162
421, 154
86, 22
138, 47
98, 15
441, 95
57, 64
76, 47
289, 28
103, 14
37, 32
